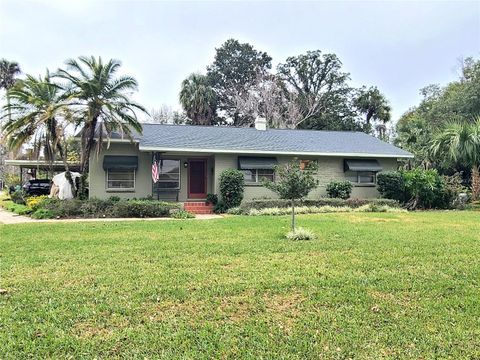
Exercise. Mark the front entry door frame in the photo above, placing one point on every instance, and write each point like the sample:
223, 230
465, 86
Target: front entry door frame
203, 194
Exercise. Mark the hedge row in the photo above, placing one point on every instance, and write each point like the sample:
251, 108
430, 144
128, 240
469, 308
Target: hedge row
315, 210
96, 208
352, 203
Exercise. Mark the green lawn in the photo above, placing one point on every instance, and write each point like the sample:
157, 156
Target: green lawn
371, 286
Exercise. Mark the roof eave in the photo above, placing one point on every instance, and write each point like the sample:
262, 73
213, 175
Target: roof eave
259, 152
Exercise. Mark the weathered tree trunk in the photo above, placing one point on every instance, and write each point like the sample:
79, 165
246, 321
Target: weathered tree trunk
475, 183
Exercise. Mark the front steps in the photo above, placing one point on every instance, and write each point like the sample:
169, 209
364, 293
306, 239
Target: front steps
198, 207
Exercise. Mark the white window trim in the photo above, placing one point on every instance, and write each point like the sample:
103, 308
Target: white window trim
358, 183
179, 177
256, 182
114, 189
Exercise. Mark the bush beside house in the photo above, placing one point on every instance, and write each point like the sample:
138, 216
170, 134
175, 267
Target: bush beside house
315, 210
42, 207
260, 204
339, 189
422, 189
232, 184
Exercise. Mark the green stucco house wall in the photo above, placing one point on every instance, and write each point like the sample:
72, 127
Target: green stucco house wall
190, 160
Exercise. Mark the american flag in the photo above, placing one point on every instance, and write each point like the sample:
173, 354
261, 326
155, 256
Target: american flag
155, 173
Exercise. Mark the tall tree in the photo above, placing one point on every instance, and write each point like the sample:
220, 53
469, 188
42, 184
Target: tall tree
457, 101
319, 87
414, 135
101, 101
236, 67
166, 115
198, 99
373, 104
38, 110
8, 72
460, 141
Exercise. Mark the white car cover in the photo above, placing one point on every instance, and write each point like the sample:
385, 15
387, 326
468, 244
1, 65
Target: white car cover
64, 188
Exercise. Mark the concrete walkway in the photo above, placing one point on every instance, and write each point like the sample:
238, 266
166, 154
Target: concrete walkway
7, 217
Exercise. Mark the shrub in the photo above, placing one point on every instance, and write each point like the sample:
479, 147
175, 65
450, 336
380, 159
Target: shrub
421, 189
43, 214
115, 199
321, 210
352, 203
425, 189
220, 208
34, 202
232, 185
455, 192
300, 234
18, 197
104, 208
142, 208
62, 208
212, 199
97, 207
18, 209
339, 189
391, 185
235, 211
182, 214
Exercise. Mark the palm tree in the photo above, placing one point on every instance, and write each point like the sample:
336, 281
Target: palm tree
460, 143
8, 72
198, 99
373, 104
37, 107
100, 101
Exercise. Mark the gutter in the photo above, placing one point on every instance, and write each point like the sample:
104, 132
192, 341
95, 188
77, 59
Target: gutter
259, 152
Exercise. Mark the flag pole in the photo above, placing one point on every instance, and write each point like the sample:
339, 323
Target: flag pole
158, 190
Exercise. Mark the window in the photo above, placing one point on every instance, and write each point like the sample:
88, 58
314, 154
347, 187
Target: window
169, 174
362, 177
256, 176
120, 179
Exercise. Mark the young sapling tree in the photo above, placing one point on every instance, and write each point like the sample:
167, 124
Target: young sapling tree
293, 183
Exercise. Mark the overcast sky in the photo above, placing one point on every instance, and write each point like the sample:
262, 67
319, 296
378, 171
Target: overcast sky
398, 46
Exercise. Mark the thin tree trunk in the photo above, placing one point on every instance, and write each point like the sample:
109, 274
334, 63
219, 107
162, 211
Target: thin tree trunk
293, 215
8, 107
90, 138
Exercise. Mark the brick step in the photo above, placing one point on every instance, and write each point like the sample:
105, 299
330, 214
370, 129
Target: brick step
199, 204
198, 207
200, 211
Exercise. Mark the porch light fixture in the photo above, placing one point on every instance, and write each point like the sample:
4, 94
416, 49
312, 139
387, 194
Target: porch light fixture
185, 164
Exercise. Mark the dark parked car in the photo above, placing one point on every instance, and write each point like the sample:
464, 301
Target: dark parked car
37, 187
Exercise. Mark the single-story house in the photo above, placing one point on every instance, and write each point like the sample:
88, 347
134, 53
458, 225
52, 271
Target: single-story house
191, 159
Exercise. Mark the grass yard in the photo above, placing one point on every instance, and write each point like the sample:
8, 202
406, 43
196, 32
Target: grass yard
371, 286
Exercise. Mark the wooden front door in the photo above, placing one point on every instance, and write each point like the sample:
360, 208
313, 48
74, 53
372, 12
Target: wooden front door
197, 178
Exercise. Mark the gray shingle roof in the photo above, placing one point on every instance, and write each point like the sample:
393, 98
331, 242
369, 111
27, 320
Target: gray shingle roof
251, 140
